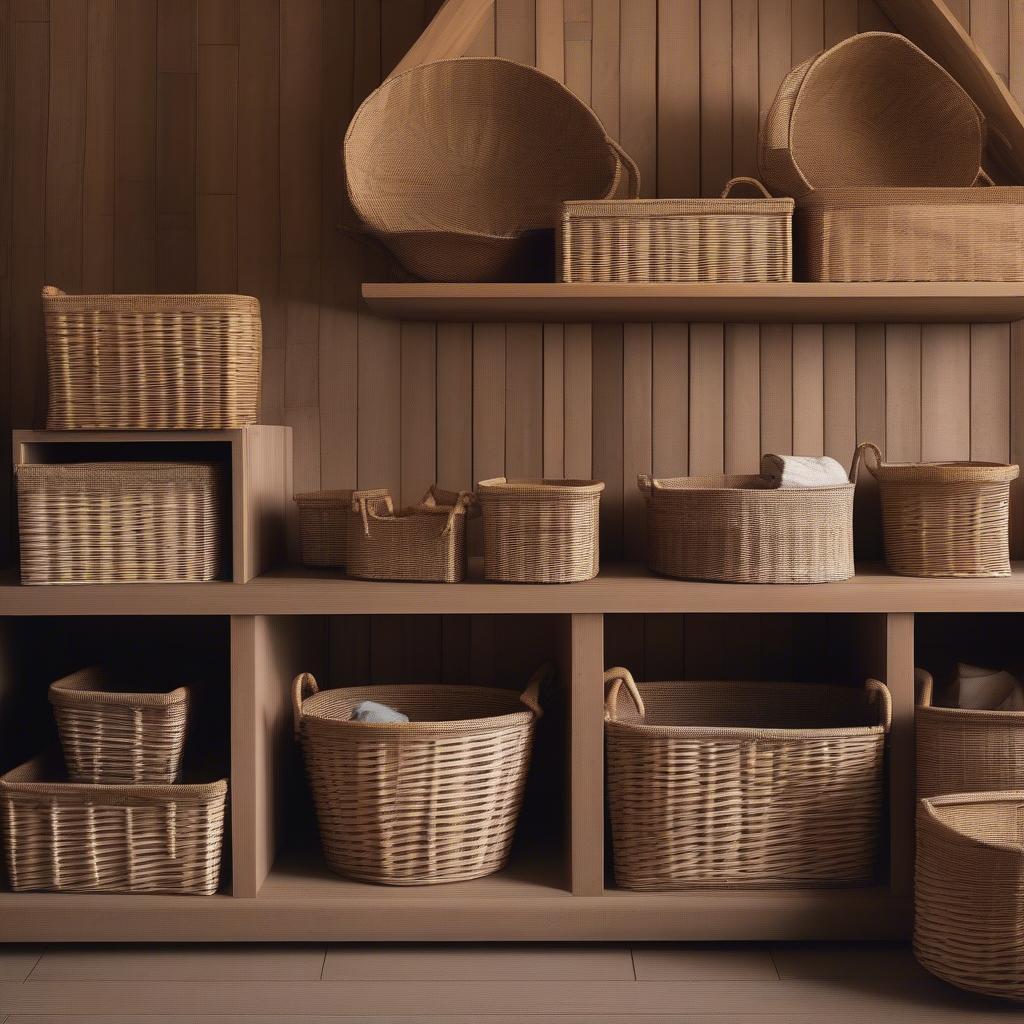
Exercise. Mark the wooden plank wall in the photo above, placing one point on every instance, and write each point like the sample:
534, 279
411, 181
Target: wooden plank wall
193, 144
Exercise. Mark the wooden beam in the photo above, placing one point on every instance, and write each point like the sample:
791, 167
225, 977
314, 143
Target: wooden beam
449, 34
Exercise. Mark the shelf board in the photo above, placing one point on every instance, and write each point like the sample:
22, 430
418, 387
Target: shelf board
942, 302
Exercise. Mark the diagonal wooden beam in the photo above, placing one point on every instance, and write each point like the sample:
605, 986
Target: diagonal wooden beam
449, 34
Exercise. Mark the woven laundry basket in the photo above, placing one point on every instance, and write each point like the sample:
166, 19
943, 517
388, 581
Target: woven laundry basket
739, 529
872, 110
111, 737
460, 167
540, 531
944, 518
426, 542
152, 362
969, 891
72, 837
435, 799
323, 527
744, 784
681, 240
121, 522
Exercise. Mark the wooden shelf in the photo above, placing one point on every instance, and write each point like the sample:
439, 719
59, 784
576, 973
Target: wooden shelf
734, 303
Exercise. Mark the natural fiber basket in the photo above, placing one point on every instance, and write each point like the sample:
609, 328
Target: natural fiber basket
740, 529
683, 240
121, 522
426, 542
460, 167
540, 531
71, 837
152, 362
944, 518
111, 737
962, 750
435, 799
323, 527
872, 110
969, 891
716, 784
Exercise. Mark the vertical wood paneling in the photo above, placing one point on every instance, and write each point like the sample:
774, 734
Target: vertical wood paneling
455, 406
604, 64
638, 86
945, 392
715, 96
578, 404
839, 358
871, 410
679, 97
488, 401
777, 388
808, 389
418, 410
524, 400
607, 435
990, 392
670, 399
636, 434
903, 393
550, 38
554, 401
578, 37
745, 87
742, 399
707, 408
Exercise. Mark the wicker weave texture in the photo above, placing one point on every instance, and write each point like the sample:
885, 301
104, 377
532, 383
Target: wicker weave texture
460, 167
969, 891
121, 522
152, 362
744, 784
117, 738
735, 529
432, 800
540, 531
677, 240
69, 837
872, 110
945, 518
323, 527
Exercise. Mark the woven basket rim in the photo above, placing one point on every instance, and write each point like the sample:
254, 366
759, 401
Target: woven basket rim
654, 208
930, 805
952, 195
502, 485
152, 470
946, 472
742, 483
325, 497
52, 295
79, 688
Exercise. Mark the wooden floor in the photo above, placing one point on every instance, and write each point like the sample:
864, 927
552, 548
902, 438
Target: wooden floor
596, 984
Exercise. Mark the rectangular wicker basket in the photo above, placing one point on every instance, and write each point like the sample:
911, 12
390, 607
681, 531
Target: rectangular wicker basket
152, 362
677, 240
122, 522
323, 527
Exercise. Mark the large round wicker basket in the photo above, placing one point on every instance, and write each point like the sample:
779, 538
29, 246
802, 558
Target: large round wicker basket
435, 799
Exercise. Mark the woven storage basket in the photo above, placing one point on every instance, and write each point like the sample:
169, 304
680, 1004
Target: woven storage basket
540, 531
961, 750
688, 240
435, 799
738, 529
761, 784
323, 527
116, 738
152, 362
872, 110
969, 891
70, 837
426, 542
944, 518
121, 522
460, 167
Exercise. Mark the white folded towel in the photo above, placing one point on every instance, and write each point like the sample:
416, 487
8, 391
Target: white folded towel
371, 711
985, 689
802, 471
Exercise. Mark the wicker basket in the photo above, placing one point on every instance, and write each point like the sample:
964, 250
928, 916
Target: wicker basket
716, 784
111, 737
323, 527
872, 110
71, 837
152, 362
682, 240
460, 167
540, 531
944, 518
426, 542
961, 750
432, 800
969, 891
121, 522
739, 529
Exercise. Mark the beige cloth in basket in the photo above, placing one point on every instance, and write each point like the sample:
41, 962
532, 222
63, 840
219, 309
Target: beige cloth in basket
802, 471
985, 689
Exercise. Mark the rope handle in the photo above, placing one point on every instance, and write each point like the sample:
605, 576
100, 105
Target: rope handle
742, 179
530, 697
457, 502
858, 458
361, 502
878, 691
647, 484
614, 679
924, 685
631, 169
302, 683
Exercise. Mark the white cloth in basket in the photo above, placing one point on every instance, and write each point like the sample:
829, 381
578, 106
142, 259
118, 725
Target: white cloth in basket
985, 689
802, 471
371, 711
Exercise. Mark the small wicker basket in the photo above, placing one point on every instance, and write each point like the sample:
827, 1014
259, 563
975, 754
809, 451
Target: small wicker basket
435, 799
540, 531
72, 837
323, 527
122, 522
111, 737
944, 518
716, 784
152, 362
677, 240
969, 891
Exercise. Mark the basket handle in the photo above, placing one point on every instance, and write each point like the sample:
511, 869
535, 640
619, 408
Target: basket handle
878, 691
924, 685
629, 164
982, 179
458, 502
361, 504
614, 679
742, 179
303, 686
858, 458
531, 695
